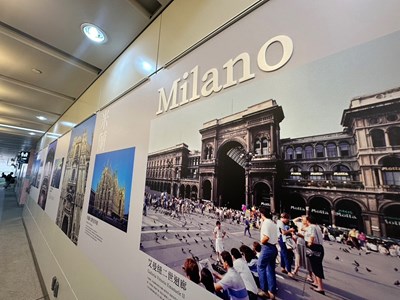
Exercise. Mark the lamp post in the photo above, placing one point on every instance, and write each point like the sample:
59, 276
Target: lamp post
248, 156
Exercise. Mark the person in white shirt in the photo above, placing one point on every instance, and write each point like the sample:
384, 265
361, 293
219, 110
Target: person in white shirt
231, 282
243, 269
266, 260
219, 242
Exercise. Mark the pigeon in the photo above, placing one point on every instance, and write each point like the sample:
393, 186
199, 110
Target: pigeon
356, 269
359, 253
188, 235
154, 221
152, 227
196, 241
241, 242
166, 225
337, 257
183, 251
164, 237
190, 251
141, 245
367, 269
356, 263
204, 245
396, 282
166, 230
396, 269
142, 228
198, 234
157, 240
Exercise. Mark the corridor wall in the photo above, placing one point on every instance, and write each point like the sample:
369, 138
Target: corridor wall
95, 239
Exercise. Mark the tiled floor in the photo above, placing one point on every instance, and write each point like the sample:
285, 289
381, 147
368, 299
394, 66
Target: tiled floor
18, 277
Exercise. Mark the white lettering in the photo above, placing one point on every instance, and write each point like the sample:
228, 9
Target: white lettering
212, 83
246, 74
287, 46
210, 78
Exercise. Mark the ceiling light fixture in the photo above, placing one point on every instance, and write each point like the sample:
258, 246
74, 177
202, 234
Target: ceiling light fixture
41, 118
32, 133
94, 33
21, 128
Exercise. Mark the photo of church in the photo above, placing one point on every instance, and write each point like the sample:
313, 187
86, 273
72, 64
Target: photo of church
74, 181
111, 187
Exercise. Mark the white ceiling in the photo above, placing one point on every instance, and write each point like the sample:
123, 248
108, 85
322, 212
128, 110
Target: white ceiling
46, 35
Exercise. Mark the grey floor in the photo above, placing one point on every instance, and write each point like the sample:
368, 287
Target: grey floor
18, 276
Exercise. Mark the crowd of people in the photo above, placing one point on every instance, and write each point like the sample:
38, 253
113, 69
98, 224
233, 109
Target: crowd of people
249, 271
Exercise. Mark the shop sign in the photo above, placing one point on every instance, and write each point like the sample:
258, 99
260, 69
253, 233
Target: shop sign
297, 208
390, 169
346, 214
319, 211
392, 221
340, 174
316, 173
295, 173
192, 86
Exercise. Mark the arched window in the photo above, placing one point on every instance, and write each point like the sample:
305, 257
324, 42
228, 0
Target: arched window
331, 150
344, 149
319, 150
257, 147
289, 153
394, 136
299, 152
295, 173
378, 138
391, 170
264, 146
309, 152
341, 173
316, 173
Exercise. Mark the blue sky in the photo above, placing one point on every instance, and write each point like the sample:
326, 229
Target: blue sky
121, 161
87, 125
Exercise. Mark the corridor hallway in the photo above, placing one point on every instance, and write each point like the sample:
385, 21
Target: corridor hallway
19, 279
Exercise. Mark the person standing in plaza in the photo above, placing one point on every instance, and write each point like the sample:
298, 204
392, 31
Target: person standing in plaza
301, 260
314, 239
266, 260
286, 254
247, 226
219, 236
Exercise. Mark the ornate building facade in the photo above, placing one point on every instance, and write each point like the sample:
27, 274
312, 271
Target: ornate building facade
174, 170
109, 196
73, 187
349, 178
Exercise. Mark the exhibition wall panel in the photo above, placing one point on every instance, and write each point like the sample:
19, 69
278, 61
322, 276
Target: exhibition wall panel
114, 222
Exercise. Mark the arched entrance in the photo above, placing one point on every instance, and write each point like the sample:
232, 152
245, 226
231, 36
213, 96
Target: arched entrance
181, 190
294, 205
392, 220
231, 178
348, 215
187, 191
206, 190
64, 226
320, 209
262, 194
194, 192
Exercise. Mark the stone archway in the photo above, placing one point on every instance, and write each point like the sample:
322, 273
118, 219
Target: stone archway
295, 205
392, 220
262, 194
348, 214
320, 209
231, 178
194, 192
206, 189
65, 225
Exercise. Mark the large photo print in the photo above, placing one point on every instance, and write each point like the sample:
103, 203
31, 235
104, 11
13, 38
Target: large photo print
74, 180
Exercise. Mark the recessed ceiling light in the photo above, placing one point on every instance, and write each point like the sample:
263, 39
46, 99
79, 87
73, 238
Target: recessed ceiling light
146, 66
32, 133
41, 118
94, 33
37, 71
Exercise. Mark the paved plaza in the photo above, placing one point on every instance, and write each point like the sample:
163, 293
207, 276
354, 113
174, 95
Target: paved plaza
171, 240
